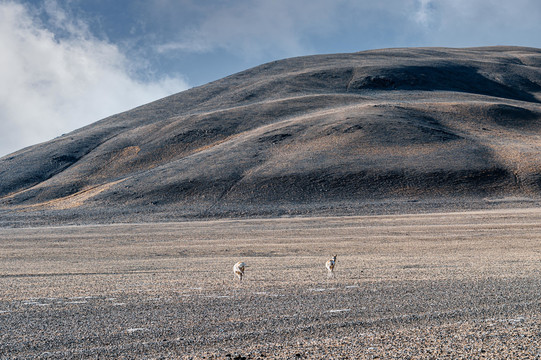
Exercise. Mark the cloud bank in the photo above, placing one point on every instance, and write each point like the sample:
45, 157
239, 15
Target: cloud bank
258, 28
56, 76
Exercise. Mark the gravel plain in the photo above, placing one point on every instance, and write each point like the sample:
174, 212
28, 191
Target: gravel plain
461, 285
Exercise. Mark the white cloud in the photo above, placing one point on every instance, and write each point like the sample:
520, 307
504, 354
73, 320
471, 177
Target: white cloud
480, 22
257, 28
57, 77
422, 15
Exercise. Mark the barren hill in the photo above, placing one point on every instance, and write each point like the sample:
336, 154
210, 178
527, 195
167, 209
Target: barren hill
319, 132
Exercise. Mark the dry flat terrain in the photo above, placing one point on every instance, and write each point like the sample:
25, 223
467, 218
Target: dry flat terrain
448, 285
351, 142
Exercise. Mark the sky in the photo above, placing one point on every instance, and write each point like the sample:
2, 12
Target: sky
65, 64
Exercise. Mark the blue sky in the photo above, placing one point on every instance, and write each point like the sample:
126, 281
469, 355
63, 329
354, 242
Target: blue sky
67, 63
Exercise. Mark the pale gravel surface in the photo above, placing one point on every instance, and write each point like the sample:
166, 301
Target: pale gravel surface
443, 286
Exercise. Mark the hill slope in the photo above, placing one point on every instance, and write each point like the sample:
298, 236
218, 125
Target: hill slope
308, 132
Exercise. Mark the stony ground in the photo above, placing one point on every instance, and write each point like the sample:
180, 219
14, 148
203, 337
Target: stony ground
454, 285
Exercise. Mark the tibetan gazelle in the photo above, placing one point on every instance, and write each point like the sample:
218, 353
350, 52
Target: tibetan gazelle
238, 269
330, 265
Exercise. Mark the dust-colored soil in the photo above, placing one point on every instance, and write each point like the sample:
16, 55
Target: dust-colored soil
453, 285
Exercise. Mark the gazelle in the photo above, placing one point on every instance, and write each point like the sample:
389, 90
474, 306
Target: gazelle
330, 265
238, 269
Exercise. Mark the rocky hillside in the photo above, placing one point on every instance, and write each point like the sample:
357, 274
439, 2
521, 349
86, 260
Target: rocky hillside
308, 132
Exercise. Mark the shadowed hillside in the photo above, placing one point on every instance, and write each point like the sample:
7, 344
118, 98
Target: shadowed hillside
301, 134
